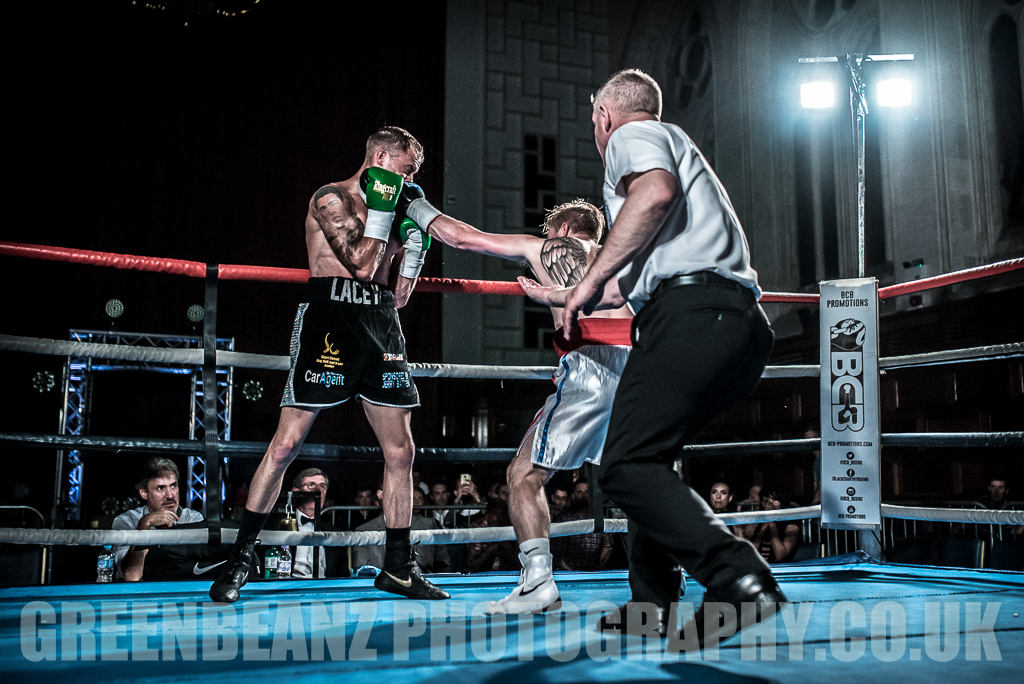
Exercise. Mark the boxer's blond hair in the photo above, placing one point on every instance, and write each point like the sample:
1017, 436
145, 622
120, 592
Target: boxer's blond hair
395, 141
582, 217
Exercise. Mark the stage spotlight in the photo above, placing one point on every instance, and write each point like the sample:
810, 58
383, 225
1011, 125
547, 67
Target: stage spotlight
195, 313
817, 95
43, 381
114, 308
252, 390
895, 92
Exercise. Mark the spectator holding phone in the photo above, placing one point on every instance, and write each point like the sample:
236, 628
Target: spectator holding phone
467, 494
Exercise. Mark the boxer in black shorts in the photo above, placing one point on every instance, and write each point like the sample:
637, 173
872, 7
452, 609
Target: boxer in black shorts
347, 342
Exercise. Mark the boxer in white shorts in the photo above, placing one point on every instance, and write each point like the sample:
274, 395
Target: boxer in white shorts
570, 429
571, 426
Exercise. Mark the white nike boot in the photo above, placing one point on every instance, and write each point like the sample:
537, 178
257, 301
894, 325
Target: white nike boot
536, 591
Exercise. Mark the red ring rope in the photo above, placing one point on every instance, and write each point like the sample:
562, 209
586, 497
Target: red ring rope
196, 269
951, 278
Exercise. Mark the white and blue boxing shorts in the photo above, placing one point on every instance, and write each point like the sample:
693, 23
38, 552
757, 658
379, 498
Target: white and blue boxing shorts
572, 425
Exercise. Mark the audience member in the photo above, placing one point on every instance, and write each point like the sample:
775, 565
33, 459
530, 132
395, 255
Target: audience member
441, 496
493, 556
307, 485
720, 497
776, 545
751, 503
364, 497
418, 483
430, 557
467, 494
158, 489
998, 491
558, 500
753, 500
446, 519
581, 551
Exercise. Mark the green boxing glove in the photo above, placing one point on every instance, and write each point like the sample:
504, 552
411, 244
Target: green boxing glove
407, 227
380, 189
416, 242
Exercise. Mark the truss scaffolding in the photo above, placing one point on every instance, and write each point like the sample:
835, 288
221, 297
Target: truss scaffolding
79, 372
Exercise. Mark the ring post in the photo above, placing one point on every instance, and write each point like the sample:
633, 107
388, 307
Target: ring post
212, 504
596, 497
850, 430
316, 527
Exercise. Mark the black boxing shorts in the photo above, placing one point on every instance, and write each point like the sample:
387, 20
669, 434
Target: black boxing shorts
347, 341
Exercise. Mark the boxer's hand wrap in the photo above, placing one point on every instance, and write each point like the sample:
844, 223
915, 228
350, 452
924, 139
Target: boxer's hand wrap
380, 189
416, 243
412, 204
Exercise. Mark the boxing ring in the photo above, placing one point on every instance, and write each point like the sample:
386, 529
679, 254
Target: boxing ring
850, 615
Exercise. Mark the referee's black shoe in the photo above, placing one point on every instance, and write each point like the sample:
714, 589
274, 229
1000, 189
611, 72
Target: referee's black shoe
711, 622
627, 619
227, 587
413, 585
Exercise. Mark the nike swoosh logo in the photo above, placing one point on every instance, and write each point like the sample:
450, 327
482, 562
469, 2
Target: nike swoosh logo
199, 571
524, 593
405, 583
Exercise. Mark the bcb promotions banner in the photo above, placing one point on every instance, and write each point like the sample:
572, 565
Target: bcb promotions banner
850, 463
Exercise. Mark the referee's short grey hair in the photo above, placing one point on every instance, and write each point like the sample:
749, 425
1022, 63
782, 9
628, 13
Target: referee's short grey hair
630, 91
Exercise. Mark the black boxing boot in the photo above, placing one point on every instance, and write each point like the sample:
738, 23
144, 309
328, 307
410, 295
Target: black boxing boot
236, 571
401, 575
714, 620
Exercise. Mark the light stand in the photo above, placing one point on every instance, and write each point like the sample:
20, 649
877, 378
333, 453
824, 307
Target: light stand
852, 63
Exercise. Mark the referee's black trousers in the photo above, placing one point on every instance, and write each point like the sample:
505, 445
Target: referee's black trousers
697, 350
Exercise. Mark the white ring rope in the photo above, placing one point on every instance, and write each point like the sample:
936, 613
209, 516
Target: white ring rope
194, 357
957, 515
278, 538
463, 536
996, 351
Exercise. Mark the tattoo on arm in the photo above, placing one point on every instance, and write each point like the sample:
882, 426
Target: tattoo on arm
565, 260
336, 216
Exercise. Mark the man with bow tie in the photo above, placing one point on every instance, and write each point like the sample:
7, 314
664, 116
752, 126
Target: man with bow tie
309, 480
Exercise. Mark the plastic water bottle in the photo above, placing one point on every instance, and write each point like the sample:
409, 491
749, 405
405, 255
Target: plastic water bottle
270, 563
284, 564
105, 565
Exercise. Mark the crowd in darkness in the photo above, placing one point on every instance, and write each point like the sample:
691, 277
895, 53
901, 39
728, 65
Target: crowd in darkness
460, 502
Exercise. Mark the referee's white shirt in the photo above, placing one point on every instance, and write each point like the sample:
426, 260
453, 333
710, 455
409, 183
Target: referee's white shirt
701, 232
